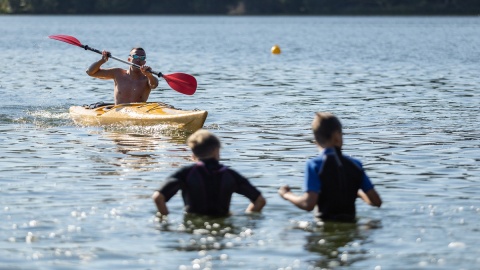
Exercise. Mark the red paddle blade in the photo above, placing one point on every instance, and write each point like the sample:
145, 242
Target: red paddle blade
67, 39
181, 82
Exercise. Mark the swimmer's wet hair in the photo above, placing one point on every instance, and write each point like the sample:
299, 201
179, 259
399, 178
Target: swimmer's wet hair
324, 125
203, 143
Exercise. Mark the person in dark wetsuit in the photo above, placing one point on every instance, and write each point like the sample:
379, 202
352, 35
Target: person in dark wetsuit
332, 181
207, 186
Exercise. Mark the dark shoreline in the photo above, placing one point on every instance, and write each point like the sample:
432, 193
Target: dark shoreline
243, 7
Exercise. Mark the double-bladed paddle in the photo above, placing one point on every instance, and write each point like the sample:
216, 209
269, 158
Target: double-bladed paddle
180, 82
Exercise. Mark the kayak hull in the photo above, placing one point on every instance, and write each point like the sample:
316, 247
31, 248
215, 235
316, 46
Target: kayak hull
139, 114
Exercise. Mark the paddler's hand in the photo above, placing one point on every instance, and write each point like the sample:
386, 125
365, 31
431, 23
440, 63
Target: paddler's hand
105, 55
146, 70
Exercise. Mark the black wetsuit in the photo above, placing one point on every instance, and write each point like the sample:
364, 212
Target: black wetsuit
336, 178
207, 187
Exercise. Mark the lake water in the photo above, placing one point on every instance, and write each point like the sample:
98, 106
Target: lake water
405, 88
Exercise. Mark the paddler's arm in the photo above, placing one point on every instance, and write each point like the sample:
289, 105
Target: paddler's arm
152, 80
257, 205
159, 200
95, 71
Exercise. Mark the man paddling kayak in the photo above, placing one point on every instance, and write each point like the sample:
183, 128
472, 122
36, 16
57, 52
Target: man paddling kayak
132, 85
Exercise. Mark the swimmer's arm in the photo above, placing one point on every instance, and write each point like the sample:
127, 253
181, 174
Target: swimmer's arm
257, 205
371, 197
307, 201
159, 200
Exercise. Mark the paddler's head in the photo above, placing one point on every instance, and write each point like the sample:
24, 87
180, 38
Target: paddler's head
138, 56
204, 145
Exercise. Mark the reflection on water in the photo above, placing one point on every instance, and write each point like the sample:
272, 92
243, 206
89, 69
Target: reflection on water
139, 150
204, 233
339, 244
211, 238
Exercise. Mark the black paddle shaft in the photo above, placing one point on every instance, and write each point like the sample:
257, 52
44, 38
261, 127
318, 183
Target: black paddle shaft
86, 47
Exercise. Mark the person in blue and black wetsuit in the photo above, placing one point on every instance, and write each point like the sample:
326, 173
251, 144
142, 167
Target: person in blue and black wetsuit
332, 181
207, 186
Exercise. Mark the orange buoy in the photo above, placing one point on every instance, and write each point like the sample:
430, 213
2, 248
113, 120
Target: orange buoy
276, 49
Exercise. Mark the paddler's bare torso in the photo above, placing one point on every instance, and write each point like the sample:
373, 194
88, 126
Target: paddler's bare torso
132, 85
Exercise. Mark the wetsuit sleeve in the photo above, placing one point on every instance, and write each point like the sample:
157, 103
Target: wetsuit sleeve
366, 183
173, 183
311, 182
244, 187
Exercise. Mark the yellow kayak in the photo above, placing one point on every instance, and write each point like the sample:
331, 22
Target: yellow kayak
142, 114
